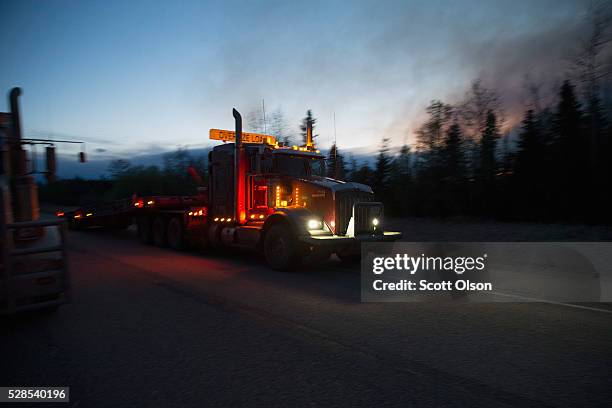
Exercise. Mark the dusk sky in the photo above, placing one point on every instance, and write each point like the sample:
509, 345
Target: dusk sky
144, 76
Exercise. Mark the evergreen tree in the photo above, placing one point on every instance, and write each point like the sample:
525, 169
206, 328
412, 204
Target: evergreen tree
335, 164
364, 175
568, 121
488, 145
404, 163
453, 155
507, 156
400, 183
530, 147
352, 170
383, 168
570, 161
529, 170
303, 126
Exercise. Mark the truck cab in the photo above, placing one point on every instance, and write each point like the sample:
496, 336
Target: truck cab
278, 199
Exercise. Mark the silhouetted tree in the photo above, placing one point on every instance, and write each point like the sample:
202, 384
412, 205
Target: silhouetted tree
488, 145
383, 168
308, 118
530, 147
364, 175
399, 197
352, 167
570, 152
429, 136
475, 108
453, 154
335, 164
529, 168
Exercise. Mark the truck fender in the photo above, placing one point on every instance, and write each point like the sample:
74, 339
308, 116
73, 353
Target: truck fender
295, 218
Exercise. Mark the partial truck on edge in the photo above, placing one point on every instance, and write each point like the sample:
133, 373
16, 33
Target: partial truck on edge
260, 195
33, 262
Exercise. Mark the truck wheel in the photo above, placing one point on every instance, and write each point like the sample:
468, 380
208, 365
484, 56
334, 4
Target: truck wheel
144, 230
159, 232
280, 248
175, 233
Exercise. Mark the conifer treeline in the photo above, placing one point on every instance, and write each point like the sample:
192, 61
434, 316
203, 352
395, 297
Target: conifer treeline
558, 168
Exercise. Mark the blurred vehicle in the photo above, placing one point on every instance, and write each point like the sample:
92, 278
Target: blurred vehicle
33, 264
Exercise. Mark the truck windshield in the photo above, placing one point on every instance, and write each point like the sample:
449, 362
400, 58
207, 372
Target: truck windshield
299, 166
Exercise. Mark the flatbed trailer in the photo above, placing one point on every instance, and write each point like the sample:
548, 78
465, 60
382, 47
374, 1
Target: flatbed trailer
175, 221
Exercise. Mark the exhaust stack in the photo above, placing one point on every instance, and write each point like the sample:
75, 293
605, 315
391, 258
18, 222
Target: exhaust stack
239, 172
15, 115
23, 185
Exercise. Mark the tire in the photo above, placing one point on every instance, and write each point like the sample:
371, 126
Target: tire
144, 230
280, 248
159, 232
174, 233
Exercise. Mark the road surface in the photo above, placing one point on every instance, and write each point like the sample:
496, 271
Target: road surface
157, 328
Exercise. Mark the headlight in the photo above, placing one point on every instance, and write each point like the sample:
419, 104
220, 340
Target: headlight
315, 224
375, 222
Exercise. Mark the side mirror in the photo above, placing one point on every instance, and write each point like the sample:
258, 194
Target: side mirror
51, 163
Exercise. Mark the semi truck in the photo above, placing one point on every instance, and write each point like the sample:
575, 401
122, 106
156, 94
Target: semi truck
261, 195
33, 262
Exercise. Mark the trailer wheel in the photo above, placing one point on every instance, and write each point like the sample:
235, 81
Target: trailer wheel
144, 229
159, 232
280, 248
175, 233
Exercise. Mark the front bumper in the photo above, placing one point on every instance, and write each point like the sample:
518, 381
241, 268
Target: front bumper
339, 241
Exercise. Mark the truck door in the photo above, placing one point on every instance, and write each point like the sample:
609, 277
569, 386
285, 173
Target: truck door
221, 183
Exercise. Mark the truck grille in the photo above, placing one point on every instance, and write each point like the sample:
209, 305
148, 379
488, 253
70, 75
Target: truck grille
363, 214
344, 207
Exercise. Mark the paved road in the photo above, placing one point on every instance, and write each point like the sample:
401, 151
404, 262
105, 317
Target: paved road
151, 327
